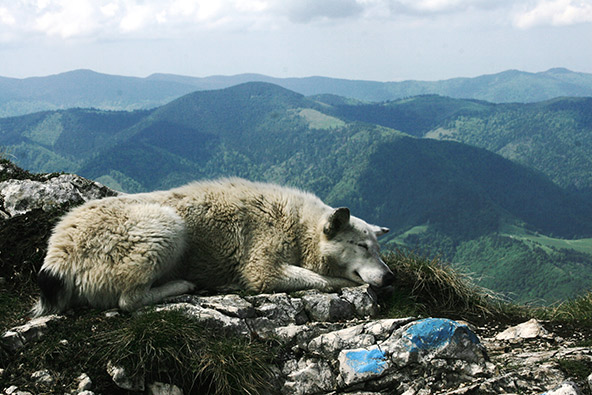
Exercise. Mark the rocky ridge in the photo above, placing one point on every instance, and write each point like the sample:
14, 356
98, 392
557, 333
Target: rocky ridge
333, 342
334, 346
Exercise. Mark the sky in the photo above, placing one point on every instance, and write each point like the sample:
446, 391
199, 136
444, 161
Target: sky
381, 40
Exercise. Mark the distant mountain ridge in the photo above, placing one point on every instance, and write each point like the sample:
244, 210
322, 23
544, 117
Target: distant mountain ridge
86, 88
507, 86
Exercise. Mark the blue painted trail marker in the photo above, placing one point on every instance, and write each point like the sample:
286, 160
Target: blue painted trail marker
367, 361
432, 333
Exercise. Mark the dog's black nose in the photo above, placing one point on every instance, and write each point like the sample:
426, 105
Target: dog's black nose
388, 279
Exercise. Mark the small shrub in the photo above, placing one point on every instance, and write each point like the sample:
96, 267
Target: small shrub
14, 307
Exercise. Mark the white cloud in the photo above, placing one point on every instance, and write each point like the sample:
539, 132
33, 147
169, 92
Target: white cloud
109, 10
555, 13
137, 17
6, 17
66, 18
115, 19
304, 11
427, 6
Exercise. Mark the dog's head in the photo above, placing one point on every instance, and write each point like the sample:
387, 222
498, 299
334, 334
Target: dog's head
351, 247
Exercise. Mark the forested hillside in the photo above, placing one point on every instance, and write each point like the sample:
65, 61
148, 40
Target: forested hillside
551, 136
477, 209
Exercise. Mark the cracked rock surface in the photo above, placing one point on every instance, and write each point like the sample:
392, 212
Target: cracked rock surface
356, 353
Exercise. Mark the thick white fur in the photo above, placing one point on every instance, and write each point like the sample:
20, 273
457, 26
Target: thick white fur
133, 250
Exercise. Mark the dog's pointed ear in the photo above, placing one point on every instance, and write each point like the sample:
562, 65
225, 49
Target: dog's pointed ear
379, 230
338, 220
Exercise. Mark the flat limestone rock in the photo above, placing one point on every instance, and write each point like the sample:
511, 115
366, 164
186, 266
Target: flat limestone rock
527, 330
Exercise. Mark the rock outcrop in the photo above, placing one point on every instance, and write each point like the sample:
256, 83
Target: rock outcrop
347, 351
45, 192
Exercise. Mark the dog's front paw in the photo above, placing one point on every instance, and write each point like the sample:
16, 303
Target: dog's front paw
184, 286
337, 284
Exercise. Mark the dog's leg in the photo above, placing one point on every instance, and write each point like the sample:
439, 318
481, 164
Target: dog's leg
172, 288
295, 278
134, 300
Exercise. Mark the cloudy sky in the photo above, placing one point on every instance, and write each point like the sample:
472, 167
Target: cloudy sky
385, 40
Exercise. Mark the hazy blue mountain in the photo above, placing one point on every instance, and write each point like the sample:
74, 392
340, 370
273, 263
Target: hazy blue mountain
507, 86
85, 88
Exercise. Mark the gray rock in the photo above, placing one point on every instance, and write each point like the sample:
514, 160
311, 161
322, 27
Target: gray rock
163, 389
84, 382
300, 335
377, 355
279, 308
308, 376
17, 337
327, 307
329, 345
292, 333
382, 329
527, 330
42, 377
590, 381
363, 299
362, 364
13, 390
123, 380
22, 196
565, 388
432, 338
230, 305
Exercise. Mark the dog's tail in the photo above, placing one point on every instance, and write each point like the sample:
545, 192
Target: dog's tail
55, 294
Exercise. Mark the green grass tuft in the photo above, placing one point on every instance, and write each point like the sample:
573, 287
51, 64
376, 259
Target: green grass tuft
171, 346
577, 310
428, 286
166, 346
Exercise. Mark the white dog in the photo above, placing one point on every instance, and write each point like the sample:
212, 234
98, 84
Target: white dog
133, 250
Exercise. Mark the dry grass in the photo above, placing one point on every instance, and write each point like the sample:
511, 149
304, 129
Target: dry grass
172, 346
166, 346
576, 311
433, 287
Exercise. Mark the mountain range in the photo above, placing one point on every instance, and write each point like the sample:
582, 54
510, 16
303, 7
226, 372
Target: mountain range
438, 171
86, 88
